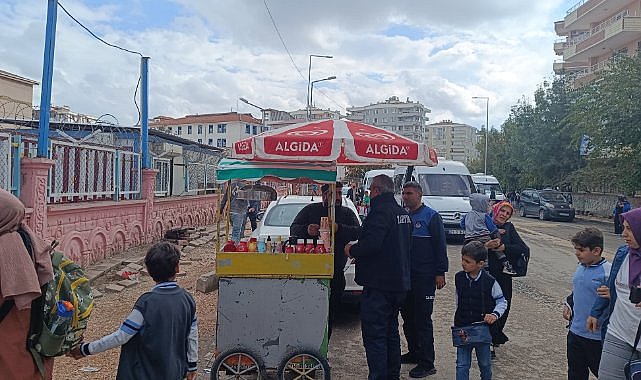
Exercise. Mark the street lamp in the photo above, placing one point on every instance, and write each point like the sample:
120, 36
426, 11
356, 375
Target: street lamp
487, 125
311, 93
262, 111
309, 79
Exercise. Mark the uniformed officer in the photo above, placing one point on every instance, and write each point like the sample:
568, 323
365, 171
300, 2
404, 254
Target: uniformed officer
428, 260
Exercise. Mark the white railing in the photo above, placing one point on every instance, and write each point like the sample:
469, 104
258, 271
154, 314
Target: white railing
609, 22
163, 177
576, 6
5, 161
129, 179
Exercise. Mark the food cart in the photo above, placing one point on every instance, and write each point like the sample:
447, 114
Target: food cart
273, 306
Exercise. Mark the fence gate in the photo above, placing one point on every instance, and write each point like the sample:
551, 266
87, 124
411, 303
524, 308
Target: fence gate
5, 161
163, 165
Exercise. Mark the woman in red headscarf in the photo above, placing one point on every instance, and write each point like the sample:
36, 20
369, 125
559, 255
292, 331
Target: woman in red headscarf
511, 244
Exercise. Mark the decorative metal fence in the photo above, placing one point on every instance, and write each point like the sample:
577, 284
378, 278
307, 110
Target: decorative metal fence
5, 161
200, 177
163, 178
129, 180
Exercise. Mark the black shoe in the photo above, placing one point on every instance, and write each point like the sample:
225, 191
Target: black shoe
420, 371
507, 269
408, 359
493, 353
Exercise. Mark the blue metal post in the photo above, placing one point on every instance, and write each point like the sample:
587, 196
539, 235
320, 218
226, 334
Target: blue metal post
47, 78
144, 117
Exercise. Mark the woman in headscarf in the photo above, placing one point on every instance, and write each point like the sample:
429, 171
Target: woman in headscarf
20, 280
511, 244
624, 311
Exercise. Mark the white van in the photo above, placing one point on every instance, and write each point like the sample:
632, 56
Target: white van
446, 189
369, 176
486, 184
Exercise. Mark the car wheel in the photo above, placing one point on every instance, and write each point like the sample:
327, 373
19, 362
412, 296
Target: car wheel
541, 215
522, 211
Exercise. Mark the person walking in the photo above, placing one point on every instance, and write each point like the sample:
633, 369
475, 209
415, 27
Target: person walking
252, 213
21, 278
510, 244
428, 263
382, 256
620, 207
620, 303
237, 209
306, 225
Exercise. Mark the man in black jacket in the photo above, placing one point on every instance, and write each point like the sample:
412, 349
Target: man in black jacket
306, 225
429, 264
383, 269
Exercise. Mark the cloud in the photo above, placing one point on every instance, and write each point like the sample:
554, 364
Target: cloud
207, 53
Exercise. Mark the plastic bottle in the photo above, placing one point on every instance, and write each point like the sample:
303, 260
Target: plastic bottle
262, 246
269, 246
320, 247
300, 246
230, 246
278, 247
309, 247
242, 246
290, 249
64, 312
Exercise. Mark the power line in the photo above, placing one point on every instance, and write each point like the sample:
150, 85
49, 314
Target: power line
282, 40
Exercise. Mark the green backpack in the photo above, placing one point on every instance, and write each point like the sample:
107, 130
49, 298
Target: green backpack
71, 285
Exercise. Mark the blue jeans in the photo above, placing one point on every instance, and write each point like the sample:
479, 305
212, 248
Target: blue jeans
237, 226
464, 361
379, 326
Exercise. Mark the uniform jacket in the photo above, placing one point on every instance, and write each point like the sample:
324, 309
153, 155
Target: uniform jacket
429, 250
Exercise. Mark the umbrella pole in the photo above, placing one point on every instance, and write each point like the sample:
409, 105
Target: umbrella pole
408, 174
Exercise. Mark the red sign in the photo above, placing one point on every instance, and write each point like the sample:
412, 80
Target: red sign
244, 146
308, 140
378, 143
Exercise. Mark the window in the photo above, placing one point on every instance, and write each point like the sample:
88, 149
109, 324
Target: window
222, 128
264, 129
221, 143
169, 130
210, 141
211, 128
189, 129
200, 129
254, 130
248, 129
200, 141
180, 130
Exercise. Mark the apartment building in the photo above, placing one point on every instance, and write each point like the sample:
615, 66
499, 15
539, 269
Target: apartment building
406, 118
216, 129
16, 94
454, 141
64, 114
594, 33
315, 114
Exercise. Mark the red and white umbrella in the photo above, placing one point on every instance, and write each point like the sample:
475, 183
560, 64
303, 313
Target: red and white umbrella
342, 141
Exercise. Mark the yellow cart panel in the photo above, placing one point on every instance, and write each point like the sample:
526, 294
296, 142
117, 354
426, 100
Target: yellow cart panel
293, 265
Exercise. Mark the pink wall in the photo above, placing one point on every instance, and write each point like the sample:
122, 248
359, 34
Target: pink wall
90, 231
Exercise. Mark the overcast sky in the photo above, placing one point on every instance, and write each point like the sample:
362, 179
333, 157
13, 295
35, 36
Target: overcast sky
205, 54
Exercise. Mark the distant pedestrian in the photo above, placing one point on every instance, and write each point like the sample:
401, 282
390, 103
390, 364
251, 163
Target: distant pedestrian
237, 209
428, 266
620, 207
584, 346
21, 278
159, 338
383, 269
351, 193
479, 300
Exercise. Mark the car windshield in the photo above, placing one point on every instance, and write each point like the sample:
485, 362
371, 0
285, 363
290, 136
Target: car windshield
283, 215
487, 188
552, 196
453, 185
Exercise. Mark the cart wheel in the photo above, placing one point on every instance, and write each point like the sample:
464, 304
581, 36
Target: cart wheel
238, 363
304, 365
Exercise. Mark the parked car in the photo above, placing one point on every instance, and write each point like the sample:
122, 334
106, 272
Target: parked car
279, 216
546, 204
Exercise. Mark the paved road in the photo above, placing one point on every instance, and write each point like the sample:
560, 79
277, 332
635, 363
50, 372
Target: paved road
536, 329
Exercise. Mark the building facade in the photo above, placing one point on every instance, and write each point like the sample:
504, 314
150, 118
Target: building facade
16, 94
221, 130
594, 34
315, 114
454, 141
406, 118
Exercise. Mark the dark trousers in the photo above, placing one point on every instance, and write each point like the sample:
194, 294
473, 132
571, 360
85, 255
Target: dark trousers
337, 288
379, 326
417, 321
252, 220
583, 355
496, 329
618, 225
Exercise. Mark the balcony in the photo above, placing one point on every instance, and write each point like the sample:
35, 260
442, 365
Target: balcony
559, 28
587, 12
608, 36
559, 46
561, 68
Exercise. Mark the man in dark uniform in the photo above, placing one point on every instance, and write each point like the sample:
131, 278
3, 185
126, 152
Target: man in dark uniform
383, 269
347, 227
428, 266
